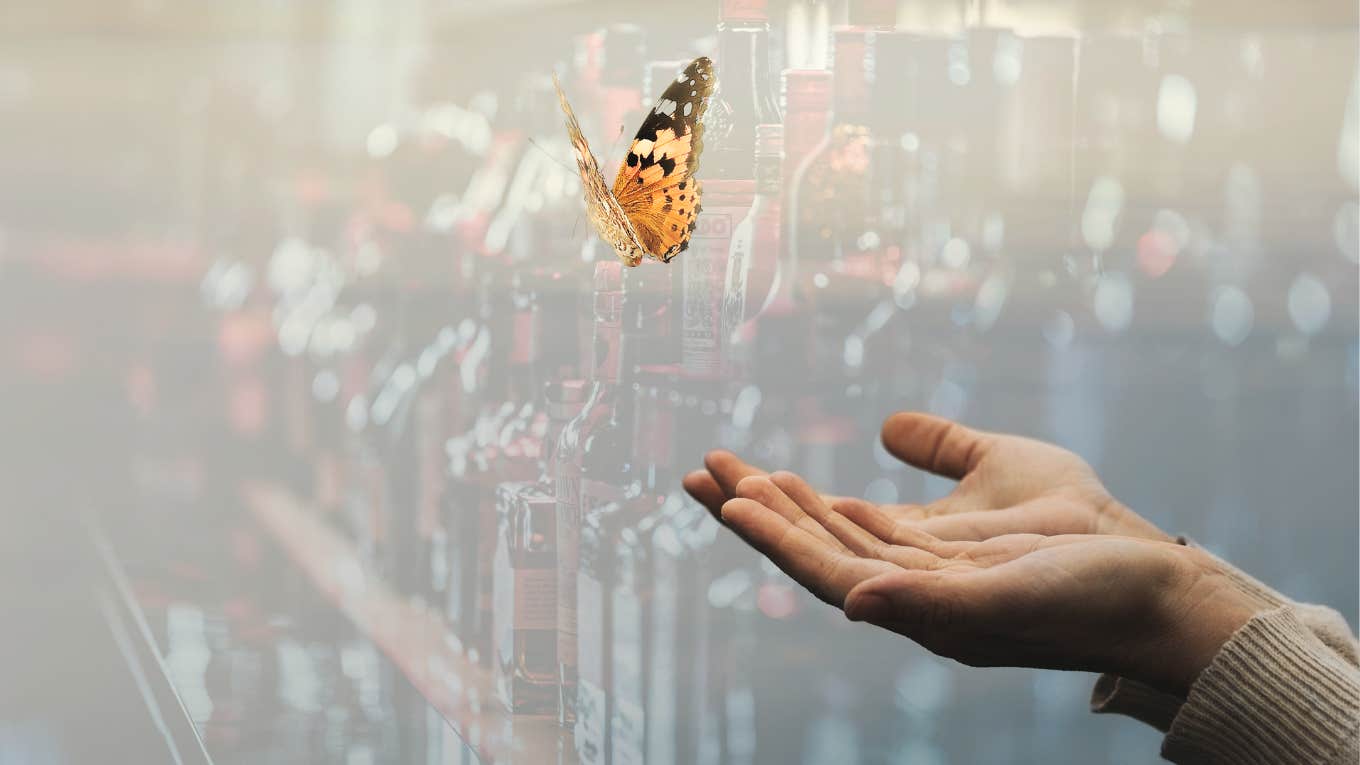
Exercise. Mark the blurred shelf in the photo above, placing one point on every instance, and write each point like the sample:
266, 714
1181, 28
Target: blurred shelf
415, 639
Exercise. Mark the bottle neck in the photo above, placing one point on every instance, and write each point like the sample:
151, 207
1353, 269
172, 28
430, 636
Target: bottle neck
854, 73
608, 337
745, 92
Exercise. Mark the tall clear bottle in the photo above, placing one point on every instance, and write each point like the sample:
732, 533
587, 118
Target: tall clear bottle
607, 300
753, 258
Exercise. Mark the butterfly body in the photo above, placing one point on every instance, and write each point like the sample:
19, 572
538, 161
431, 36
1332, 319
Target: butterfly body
654, 203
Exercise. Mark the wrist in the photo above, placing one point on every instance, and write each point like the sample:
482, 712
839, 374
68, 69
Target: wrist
1198, 612
1125, 522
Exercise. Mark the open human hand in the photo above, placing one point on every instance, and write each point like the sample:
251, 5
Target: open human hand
1152, 611
1007, 484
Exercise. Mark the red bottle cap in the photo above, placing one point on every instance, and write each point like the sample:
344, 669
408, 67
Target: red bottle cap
745, 10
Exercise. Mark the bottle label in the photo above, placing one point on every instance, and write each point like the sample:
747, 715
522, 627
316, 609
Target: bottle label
738, 271
535, 594
704, 273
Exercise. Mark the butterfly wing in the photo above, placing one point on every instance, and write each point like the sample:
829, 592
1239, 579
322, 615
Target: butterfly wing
604, 212
655, 186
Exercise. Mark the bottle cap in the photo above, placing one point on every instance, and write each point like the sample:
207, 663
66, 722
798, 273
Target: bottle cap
873, 13
745, 10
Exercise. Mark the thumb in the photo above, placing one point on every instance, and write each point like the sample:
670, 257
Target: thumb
933, 443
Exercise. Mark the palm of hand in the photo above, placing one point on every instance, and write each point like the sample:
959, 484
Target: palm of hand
1060, 602
1070, 601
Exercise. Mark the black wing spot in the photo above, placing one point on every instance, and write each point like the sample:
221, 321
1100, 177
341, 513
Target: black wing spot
674, 227
682, 197
667, 165
682, 185
632, 159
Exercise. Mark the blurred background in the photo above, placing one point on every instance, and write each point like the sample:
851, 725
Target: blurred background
332, 434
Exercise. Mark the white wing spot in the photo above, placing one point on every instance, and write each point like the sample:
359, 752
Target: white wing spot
667, 107
689, 108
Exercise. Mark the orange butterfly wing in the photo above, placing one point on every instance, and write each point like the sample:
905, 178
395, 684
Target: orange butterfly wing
655, 185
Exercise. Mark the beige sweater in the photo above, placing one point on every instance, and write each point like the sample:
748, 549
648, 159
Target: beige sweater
1284, 689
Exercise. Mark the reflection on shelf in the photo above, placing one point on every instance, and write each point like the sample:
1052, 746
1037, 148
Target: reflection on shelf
415, 639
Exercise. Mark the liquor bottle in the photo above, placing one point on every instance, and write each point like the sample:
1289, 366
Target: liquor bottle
434, 418
646, 474
622, 66
828, 186
469, 514
525, 597
682, 727
594, 609
525, 577
392, 413
625, 464
807, 110
753, 260
745, 94
745, 100
607, 298
778, 355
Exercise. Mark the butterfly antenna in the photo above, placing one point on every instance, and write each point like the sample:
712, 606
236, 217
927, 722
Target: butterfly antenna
549, 155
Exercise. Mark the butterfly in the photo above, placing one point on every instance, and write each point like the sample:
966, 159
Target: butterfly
655, 200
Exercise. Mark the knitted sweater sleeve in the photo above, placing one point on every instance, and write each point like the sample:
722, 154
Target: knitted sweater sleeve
1283, 689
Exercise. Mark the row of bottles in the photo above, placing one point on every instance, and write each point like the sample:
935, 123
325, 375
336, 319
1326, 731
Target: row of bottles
499, 412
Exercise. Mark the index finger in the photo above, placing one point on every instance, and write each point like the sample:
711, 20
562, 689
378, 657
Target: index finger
728, 469
820, 568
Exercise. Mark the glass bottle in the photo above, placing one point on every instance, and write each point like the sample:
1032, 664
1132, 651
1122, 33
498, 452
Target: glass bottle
753, 259
745, 94
607, 298
745, 100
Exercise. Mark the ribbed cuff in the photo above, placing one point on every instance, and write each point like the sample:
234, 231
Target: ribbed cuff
1121, 696
1273, 694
